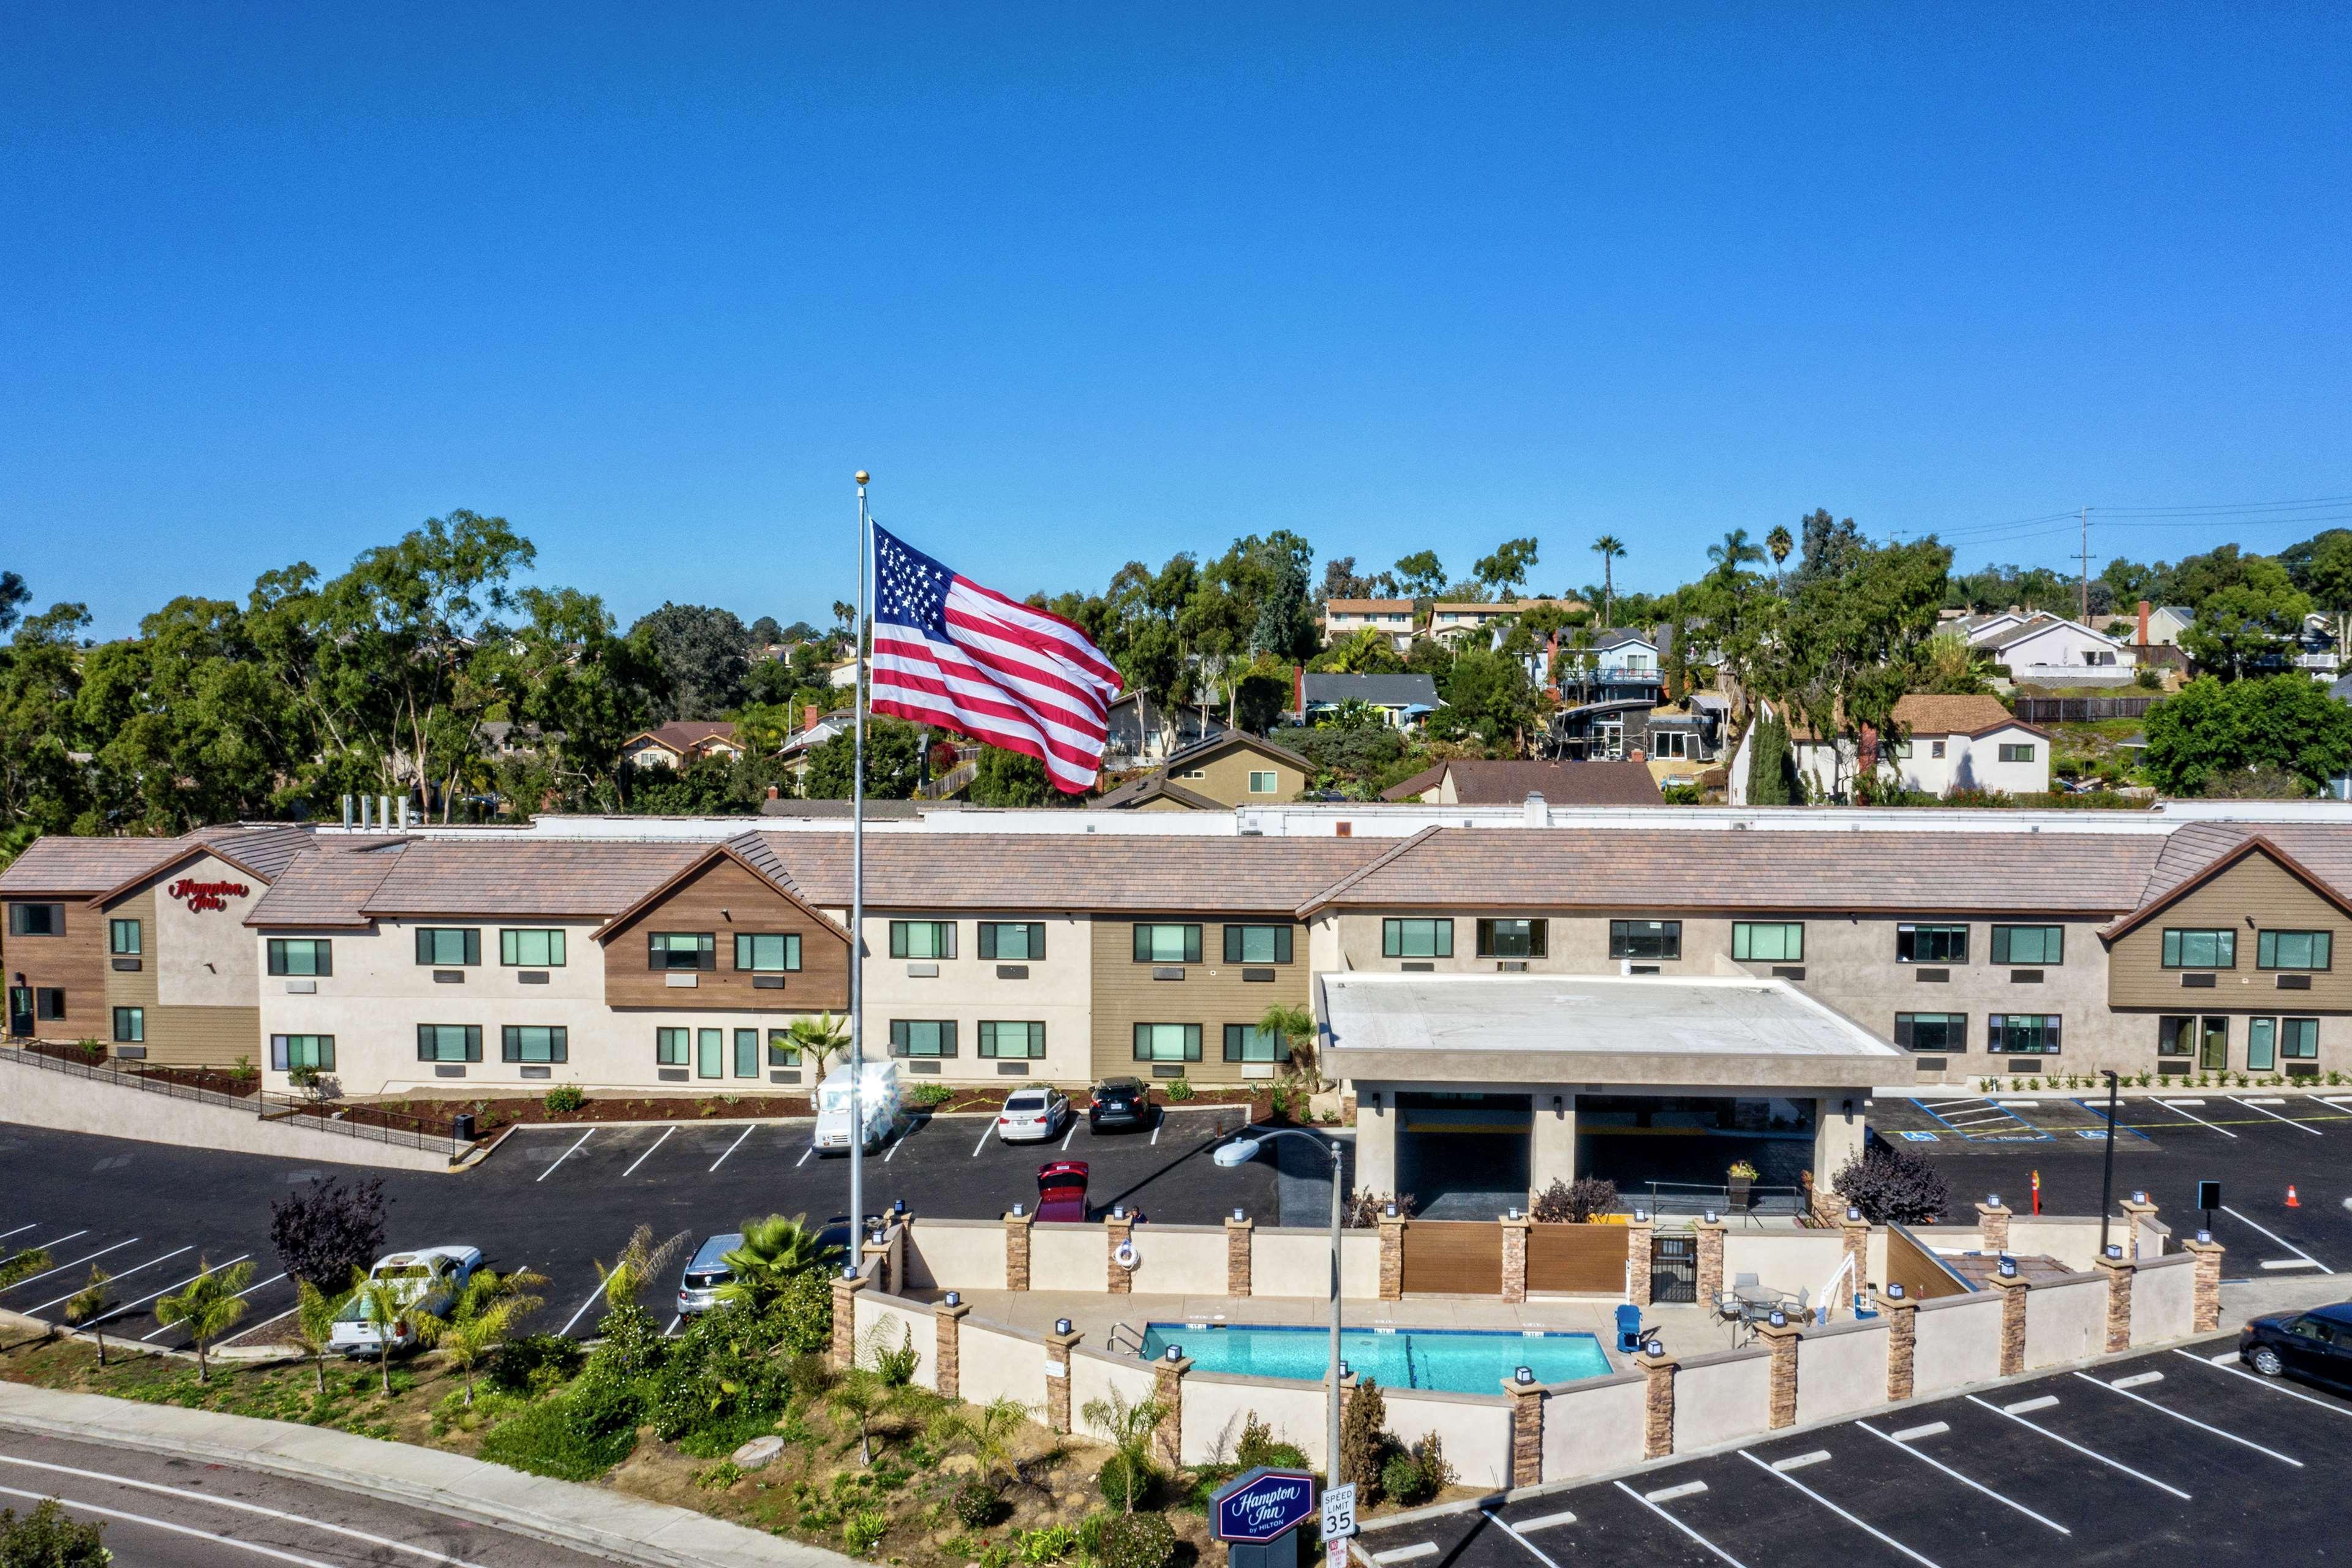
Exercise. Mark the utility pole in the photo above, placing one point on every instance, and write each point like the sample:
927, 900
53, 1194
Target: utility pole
2085, 616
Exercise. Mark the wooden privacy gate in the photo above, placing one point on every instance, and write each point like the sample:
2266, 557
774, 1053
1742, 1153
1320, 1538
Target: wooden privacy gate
1458, 1258
1566, 1259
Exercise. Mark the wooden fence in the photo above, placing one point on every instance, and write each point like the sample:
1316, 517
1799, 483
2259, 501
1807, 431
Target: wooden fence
1465, 1257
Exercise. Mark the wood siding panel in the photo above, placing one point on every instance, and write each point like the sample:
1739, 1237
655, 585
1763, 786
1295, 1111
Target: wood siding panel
76, 961
1922, 1277
133, 987
724, 899
2256, 888
1212, 994
1465, 1257
204, 1036
1565, 1258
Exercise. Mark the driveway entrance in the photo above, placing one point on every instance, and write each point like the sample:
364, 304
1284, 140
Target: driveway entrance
1463, 1156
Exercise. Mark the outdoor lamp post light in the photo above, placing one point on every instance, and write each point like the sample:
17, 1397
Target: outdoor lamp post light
1061, 1325
849, 1271
2139, 1195
1019, 1209
2007, 1267
1524, 1375
1390, 1209
1779, 1318
1655, 1348
1710, 1216
1851, 1213
2115, 1250
1515, 1211
955, 1297
1119, 1211
1241, 1152
2205, 1237
1894, 1292
1641, 1215
1238, 1212
899, 1208
1175, 1353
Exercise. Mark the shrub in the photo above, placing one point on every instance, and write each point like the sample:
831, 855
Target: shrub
931, 1094
242, 1069
1891, 1185
863, 1531
46, 1538
1575, 1201
631, 1347
599, 1406
716, 1376
804, 1311
1119, 1475
1364, 1209
1257, 1447
718, 1477
564, 1098
1048, 1542
1180, 1089
324, 1231
976, 1504
559, 1439
1136, 1541
1401, 1479
1361, 1441
534, 1363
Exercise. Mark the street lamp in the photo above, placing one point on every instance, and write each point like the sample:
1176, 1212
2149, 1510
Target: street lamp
2107, 1176
1241, 1152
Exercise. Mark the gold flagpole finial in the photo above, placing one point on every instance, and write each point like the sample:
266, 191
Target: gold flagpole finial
862, 476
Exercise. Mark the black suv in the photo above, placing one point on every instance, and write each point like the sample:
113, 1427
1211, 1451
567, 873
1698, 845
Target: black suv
2317, 1344
1120, 1102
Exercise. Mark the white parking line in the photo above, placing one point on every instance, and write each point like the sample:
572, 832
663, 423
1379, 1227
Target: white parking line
166, 1524
2088, 1453
166, 1289
2217, 1364
731, 1148
2174, 1106
676, 1319
1072, 1132
1902, 1440
2274, 1116
2282, 1241
240, 1507
642, 1158
1678, 1524
896, 1144
134, 1269
2117, 1387
56, 1241
77, 1263
1155, 1131
567, 1154
805, 1157
241, 1294
1546, 1521
20, 1230
976, 1148
1414, 1552
583, 1312
1504, 1526
1860, 1524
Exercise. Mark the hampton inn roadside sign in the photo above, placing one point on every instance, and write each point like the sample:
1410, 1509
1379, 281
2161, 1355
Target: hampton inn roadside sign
202, 896
1256, 1507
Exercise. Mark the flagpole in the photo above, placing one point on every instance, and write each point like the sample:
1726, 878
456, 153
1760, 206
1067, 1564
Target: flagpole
858, 899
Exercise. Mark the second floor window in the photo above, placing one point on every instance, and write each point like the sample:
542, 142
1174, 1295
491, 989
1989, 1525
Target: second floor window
532, 949
2200, 949
922, 1037
1645, 939
1265, 782
765, 954
1931, 944
2044, 945
1767, 941
1257, 944
1932, 1031
922, 939
448, 1042
1512, 939
1410, 938
1167, 944
447, 947
301, 955
668, 950
2293, 949
1012, 942
538, 1043
123, 938
37, 920
1168, 1042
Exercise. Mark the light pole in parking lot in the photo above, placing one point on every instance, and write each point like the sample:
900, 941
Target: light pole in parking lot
2107, 1180
1241, 1152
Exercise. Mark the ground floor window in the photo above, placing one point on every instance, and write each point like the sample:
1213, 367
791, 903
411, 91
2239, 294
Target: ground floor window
1416, 939
2267, 1039
747, 1053
288, 1052
669, 1047
448, 1042
1249, 1043
922, 1037
2299, 1039
782, 1051
2022, 1034
130, 1025
2176, 1036
1009, 1040
710, 1053
535, 1043
1512, 939
1940, 1032
48, 1002
1168, 1042
1645, 939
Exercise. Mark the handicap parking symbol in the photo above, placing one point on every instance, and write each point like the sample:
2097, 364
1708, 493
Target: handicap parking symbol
1919, 1138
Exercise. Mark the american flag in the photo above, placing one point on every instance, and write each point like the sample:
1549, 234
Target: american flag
951, 653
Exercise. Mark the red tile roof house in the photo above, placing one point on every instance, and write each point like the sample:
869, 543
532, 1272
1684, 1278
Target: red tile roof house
1947, 744
683, 741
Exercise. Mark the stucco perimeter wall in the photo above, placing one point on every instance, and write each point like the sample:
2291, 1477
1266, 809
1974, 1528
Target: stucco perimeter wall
1720, 1397
1589, 1427
2164, 1302
37, 1096
1216, 1407
1475, 1430
2066, 1320
1180, 1259
2073, 1241
1094, 1375
1958, 1342
1298, 1262
1785, 1260
894, 1322
1841, 1369
1001, 1364
1072, 1257
956, 1255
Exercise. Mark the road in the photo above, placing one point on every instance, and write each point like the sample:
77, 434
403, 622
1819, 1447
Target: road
188, 1513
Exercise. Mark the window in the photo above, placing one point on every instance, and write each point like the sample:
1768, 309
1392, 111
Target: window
1767, 941
2200, 949
130, 1025
447, 947
288, 1052
534, 1043
747, 1053
782, 1051
1012, 942
765, 954
37, 920
301, 955
1645, 939
2299, 1039
123, 938
922, 939
1265, 783
532, 949
1011, 1041
2262, 1044
448, 1042
1932, 1031
48, 1002
1677, 743
2022, 1034
669, 1047
1931, 944
1416, 939
2176, 1037
1936, 748
2028, 944
1257, 944
2293, 949
922, 1037
1511, 938
1248, 1043
710, 1053
2016, 753
681, 950
1167, 944
1168, 1042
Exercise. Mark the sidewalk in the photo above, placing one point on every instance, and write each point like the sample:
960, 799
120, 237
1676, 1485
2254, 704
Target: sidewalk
582, 1517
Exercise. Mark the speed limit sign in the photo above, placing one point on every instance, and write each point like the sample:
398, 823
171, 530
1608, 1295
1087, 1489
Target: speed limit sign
1338, 1516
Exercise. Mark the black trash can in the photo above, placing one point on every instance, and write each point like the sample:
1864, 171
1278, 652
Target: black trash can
461, 1127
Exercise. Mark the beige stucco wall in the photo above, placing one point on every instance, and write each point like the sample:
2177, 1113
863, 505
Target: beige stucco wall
1298, 1262
1720, 1397
1181, 1259
1475, 1430
1070, 1258
2066, 1320
1094, 1375
1958, 1343
1589, 1427
1216, 1406
1058, 993
2164, 1293
1000, 1364
204, 958
895, 1322
1841, 1368
1784, 1260
2073, 1240
956, 1255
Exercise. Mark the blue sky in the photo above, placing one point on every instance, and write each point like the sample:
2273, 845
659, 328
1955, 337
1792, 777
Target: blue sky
1084, 283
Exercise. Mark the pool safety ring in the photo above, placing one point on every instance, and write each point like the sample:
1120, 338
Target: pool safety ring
1127, 1258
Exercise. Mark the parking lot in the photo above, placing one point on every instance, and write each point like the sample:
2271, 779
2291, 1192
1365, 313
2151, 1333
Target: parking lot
2165, 1457
558, 1199
2256, 1143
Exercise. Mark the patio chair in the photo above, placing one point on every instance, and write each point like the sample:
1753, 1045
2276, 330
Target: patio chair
1629, 1328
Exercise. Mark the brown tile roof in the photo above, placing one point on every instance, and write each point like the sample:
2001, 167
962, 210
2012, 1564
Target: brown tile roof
1561, 784
329, 885
679, 734
1929, 713
1151, 787
57, 863
2318, 850
1421, 783
477, 879
1368, 606
1633, 869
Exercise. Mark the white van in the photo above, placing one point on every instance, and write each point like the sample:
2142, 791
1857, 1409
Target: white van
878, 1104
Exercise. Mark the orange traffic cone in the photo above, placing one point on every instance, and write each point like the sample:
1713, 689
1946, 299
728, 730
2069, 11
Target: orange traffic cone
2292, 1201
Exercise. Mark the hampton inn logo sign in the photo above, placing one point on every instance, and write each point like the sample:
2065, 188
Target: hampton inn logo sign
202, 896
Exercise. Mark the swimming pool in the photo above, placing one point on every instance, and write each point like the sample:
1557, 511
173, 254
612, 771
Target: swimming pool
1458, 1361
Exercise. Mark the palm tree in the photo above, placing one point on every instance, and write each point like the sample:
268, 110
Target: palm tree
391, 1308
90, 1304
988, 1428
1609, 547
1130, 1428
640, 1260
208, 1306
1734, 553
1295, 1027
1780, 543
821, 1037
480, 1319
313, 1324
772, 1251
22, 1265
861, 1395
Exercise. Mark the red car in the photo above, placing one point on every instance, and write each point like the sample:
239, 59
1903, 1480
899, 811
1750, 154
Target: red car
1062, 1191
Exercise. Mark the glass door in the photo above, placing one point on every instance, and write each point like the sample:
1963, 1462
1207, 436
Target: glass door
2262, 1044
1608, 740
20, 1010
2213, 1050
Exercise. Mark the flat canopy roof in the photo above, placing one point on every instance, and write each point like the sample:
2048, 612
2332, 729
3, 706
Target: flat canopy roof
1720, 1032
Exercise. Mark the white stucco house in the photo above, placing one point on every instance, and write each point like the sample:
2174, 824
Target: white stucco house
2051, 648
1947, 744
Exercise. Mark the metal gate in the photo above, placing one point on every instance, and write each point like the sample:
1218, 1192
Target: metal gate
1673, 1269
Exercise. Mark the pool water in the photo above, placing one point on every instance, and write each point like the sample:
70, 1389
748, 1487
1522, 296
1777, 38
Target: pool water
1457, 1361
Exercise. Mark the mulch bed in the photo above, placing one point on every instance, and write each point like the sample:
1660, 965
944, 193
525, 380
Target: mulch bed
205, 1078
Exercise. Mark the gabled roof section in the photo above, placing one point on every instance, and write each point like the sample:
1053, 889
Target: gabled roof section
59, 865
1353, 879
1380, 691
2175, 881
328, 884
1151, 787
769, 866
261, 853
1421, 783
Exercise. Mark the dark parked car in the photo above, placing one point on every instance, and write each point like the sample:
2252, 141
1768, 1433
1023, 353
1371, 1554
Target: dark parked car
1062, 1192
1120, 1102
2317, 1344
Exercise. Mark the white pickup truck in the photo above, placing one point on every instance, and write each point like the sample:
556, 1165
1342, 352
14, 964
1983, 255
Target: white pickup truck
428, 1279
